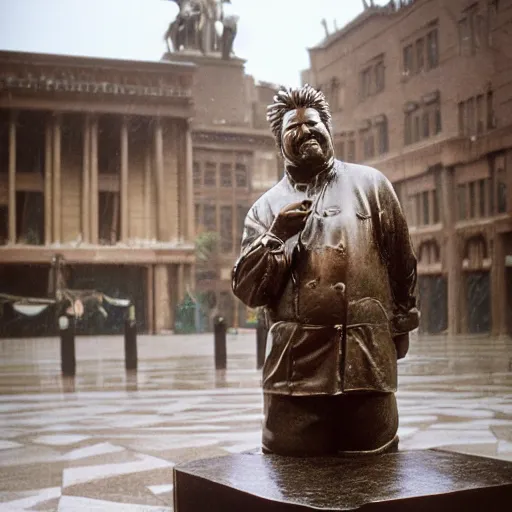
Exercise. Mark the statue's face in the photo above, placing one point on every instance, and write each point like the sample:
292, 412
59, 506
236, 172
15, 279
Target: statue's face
305, 138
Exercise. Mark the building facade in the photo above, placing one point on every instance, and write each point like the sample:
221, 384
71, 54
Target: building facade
234, 162
96, 166
422, 90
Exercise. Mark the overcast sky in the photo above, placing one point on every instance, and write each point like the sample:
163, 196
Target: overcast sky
273, 34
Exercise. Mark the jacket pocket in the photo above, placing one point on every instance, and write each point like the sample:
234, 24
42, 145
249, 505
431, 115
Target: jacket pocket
370, 360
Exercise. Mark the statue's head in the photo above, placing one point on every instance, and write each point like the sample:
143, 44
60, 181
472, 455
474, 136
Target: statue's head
301, 123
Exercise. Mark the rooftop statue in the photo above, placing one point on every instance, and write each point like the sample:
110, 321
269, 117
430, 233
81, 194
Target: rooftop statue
205, 25
327, 252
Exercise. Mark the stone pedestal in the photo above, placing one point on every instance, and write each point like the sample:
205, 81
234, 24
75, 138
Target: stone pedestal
418, 481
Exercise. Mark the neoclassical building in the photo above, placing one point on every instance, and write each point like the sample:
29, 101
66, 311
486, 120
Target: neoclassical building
422, 90
96, 166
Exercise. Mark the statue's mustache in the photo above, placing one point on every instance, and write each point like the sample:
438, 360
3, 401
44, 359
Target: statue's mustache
310, 137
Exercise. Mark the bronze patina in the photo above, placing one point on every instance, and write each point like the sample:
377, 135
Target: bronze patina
327, 253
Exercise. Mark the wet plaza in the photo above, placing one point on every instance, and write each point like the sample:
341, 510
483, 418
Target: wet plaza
108, 440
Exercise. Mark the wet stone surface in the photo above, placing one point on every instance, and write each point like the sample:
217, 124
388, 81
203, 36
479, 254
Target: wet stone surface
418, 480
109, 440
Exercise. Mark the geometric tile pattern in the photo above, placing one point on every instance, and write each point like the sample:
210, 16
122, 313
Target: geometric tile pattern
108, 440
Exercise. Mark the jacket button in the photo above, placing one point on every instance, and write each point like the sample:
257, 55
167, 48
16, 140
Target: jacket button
339, 287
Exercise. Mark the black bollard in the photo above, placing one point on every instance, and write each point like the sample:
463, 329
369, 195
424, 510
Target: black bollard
67, 345
219, 338
130, 340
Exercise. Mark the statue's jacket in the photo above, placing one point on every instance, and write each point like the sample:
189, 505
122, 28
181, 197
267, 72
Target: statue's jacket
337, 293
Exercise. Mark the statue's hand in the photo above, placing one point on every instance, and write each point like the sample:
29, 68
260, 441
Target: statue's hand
291, 219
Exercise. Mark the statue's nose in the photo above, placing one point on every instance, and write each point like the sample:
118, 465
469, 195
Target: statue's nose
304, 130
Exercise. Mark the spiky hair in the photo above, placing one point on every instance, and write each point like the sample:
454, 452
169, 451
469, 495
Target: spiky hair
288, 99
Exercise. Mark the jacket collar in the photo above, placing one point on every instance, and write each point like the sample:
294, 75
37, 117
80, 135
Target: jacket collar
316, 182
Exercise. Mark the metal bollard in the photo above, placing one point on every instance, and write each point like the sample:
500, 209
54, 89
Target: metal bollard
219, 338
67, 345
130, 340
261, 343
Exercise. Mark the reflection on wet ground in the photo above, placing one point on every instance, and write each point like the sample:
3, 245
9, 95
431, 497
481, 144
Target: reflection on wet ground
108, 439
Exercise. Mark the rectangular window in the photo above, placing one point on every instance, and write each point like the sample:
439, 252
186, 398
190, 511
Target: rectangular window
109, 222
226, 175
241, 175
492, 193
435, 205
417, 204
472, 200
490, 111
471, 31
425, 202
210, 174
408, 59
382, 130
196, 171
461, 200
426, 125
438, 125
432, 49
464, 37
480, 119
462, 118
416, 129
379, 76
368, 145
501, 182
470, 105
481, 198
365, 83
420, 55
408, 128
226, 228
210, 217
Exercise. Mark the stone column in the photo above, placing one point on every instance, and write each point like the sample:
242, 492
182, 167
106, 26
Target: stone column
86, 181
48, 181
187, 212
498, 287
148, 183
150, 299
93, 195
162, 303
124, 180
180, 282
159, 175
57, 200
12, 179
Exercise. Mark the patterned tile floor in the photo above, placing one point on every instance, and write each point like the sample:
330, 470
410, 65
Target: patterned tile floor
108, 440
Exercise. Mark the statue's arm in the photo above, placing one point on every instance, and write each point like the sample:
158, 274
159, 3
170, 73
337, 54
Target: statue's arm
401, 262
262, 267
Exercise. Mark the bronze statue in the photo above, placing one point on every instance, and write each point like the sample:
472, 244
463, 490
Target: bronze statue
196, 24
327, 252
183, 31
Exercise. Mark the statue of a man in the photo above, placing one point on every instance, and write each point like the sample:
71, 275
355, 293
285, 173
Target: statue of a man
229, 19
327, 252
